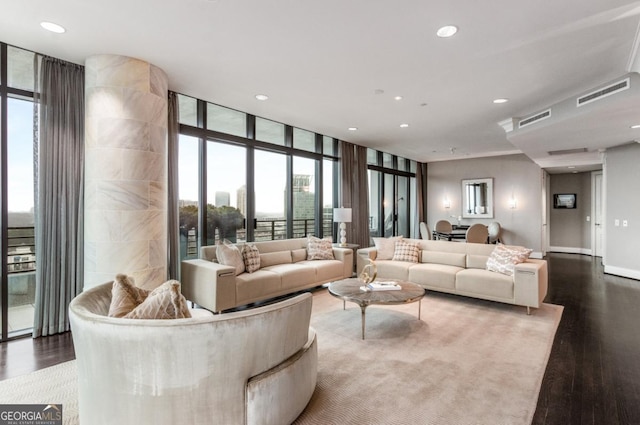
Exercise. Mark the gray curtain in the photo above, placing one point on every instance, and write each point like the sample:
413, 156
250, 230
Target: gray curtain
354, 191
59, 192
173, 232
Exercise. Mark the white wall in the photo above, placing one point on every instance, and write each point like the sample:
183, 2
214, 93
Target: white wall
513, 176
622, 187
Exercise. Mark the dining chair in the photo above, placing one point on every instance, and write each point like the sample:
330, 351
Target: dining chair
477, 233
495, 231
442, 226
424, 231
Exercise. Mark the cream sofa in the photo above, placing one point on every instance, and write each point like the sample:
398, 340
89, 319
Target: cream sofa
256, 366
284, 269
460, 268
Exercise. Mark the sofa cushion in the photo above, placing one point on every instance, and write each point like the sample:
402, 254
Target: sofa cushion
125, 296
386, 247
477, 261
257, 285
293, 275
447, 258
251, 258
389, 269
319, 249
485, 283
273, 258
504, 258
406, 251
326, 270
298, 255
164, 302
434, 275
229, 255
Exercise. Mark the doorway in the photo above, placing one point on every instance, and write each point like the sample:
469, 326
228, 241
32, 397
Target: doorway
597, 226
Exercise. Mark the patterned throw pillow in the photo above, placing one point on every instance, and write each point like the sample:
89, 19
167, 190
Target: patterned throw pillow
164, 302
251, 258
385, 247
229, 255
504, 258
406, 251
125, 296
319, 249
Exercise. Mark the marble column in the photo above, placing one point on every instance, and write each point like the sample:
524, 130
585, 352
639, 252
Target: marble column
125, 171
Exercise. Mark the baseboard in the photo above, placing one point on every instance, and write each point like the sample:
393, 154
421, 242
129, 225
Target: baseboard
570, 250
621, 271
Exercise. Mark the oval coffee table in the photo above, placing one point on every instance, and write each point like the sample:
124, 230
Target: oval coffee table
349, 290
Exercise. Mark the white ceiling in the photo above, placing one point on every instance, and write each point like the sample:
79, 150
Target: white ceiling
321, 63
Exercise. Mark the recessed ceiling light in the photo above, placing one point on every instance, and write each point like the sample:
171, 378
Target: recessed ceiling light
352, 128
500, 100
398, 98
262, 97
635, 126
571, 167
404, 125
50, 26
447, 31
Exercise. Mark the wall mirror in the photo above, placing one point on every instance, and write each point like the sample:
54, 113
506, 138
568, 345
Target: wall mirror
477, 198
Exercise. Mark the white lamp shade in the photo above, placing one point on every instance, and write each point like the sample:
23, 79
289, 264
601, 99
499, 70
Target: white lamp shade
342, 215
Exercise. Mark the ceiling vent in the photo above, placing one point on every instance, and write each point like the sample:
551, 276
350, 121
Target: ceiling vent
535, 118
567, 151
603, 92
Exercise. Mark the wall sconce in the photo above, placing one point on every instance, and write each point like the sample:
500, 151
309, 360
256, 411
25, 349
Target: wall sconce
343, 216
513, 203
446, 203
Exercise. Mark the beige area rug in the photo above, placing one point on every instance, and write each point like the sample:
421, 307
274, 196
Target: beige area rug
466, 362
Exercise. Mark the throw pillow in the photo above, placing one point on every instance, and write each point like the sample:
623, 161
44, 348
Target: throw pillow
229, 255
164, 302
251, 257
504, 258
125, 296
406, 251
385, 247
319, 249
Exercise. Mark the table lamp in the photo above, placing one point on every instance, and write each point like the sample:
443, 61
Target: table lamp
343, 216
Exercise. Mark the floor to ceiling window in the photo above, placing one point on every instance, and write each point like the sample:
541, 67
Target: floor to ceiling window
392, 207
246, 178
17, 190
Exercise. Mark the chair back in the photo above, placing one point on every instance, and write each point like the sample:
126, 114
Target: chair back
477, 233
424, 231
443, 226
494, 232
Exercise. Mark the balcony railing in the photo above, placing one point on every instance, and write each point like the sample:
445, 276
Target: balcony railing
21, 252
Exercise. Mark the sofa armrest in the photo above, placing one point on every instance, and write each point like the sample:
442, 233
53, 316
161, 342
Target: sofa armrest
530, 282
208, 284
346, 256
363, 257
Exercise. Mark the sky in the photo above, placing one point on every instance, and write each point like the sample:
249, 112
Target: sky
20, 155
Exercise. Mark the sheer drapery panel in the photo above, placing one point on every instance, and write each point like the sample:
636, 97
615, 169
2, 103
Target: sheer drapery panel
59, 168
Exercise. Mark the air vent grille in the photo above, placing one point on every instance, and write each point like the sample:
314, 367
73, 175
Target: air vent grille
604, 92
535, 118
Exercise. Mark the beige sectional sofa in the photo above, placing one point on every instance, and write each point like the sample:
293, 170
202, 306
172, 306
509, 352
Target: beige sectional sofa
284, 269
461, 268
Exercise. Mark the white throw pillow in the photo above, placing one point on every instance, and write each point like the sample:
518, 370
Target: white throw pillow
504, 258
251, 258
229, 255
386, 247
319, 249
406, 251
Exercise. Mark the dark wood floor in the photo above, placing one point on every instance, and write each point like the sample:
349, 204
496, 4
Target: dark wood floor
593, 375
